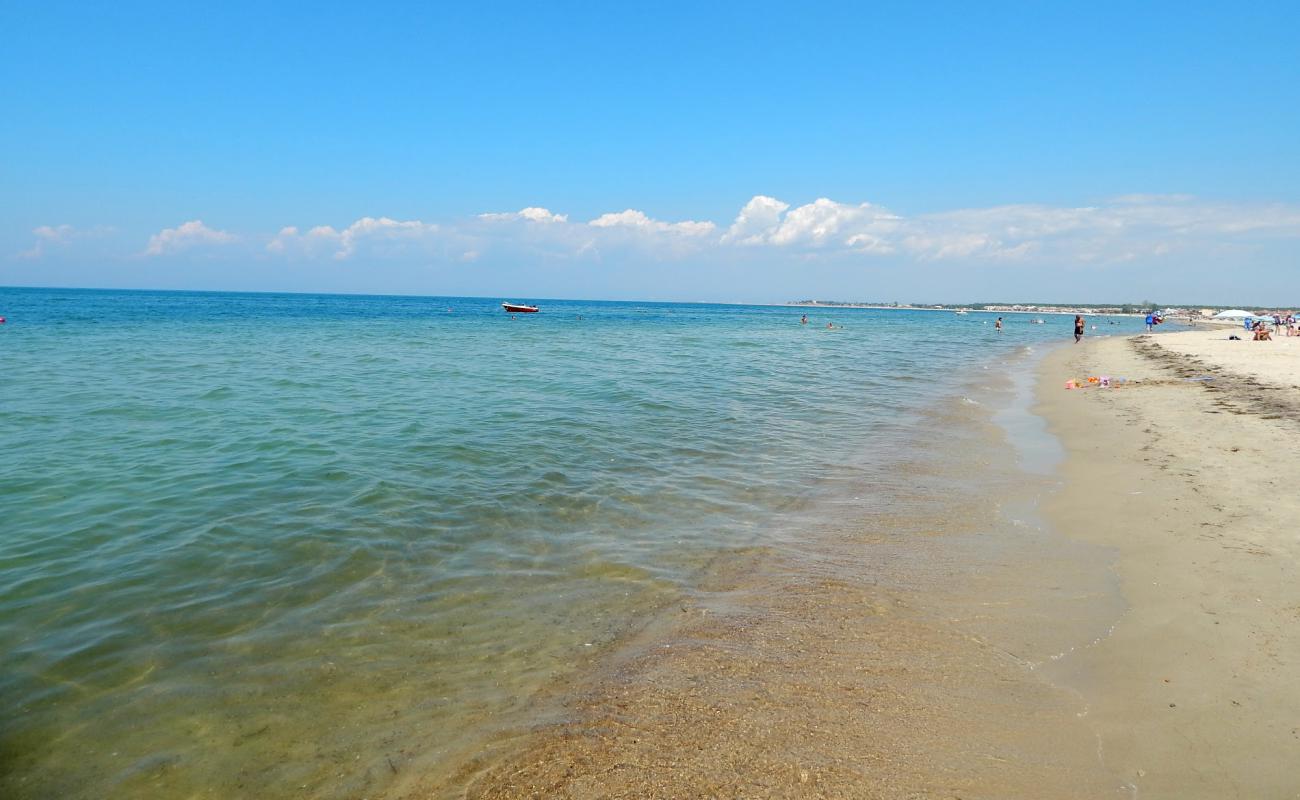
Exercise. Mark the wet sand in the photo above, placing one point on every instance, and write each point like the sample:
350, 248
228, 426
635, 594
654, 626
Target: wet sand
892, 652
945, 644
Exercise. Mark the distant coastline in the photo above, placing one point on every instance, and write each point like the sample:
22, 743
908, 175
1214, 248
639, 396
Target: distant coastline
988, 308
1123, 309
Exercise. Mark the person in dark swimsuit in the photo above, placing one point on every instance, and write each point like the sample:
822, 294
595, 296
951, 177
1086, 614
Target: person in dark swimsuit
1078, 328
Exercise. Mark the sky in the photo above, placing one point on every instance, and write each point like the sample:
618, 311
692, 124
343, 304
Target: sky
752, 152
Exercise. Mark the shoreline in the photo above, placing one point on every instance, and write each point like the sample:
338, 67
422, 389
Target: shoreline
884, 654
1137, 643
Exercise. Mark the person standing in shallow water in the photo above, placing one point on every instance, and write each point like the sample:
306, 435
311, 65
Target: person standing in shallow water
997, 326
1078, 328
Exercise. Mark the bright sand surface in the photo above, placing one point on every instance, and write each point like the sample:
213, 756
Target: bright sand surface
1275, 362
1145, 644
1193, 483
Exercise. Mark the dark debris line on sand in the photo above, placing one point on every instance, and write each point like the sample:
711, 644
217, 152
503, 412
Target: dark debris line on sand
1238, 394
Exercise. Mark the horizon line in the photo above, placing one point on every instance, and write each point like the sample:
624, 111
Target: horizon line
910, 305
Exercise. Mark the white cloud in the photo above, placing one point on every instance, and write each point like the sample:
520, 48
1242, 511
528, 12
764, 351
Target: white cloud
189, 234
821, 224
530, 214
50, 237
638, 221
1124, 229
47, 236
1152, 198
382, 233
825, 222
58, 233
760, 216
1129, 228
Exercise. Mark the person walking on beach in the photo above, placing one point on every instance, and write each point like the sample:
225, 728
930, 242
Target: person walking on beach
1078, 328
997, 326
1151, 321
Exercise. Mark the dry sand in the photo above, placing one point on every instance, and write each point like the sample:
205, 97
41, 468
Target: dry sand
1275, 362
1147, 644
1196, 693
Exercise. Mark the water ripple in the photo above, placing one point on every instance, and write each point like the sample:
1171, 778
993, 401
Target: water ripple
261, 538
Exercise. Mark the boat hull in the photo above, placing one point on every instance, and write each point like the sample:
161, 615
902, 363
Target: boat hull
518, 309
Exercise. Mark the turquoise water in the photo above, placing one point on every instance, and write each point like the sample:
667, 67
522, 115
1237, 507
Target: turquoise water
274, 545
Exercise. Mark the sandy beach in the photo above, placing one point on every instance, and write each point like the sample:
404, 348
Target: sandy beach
1143, 644
1196, 692
1275, 363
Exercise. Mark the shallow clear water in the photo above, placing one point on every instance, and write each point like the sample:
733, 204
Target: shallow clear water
256, 544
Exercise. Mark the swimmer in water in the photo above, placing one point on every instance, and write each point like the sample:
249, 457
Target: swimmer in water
803, 320
997, 326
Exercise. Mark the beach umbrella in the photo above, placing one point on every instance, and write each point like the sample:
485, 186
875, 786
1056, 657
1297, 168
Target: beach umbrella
1233, 314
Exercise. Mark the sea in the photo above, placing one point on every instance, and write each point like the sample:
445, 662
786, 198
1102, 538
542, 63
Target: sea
292, 545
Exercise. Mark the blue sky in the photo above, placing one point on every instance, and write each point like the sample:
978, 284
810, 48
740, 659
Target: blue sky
942, 151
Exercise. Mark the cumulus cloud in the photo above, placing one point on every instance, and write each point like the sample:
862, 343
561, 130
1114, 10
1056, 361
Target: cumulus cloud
1119, 229
530, 214
760, 216
1116, 230
638, 221
377, 232
185, 236
823, 223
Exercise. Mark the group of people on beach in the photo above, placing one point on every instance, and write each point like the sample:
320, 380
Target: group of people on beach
1283, 323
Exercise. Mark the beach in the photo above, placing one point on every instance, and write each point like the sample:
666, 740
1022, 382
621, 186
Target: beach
1139, 642
747, 557
1189, 482
571, 401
